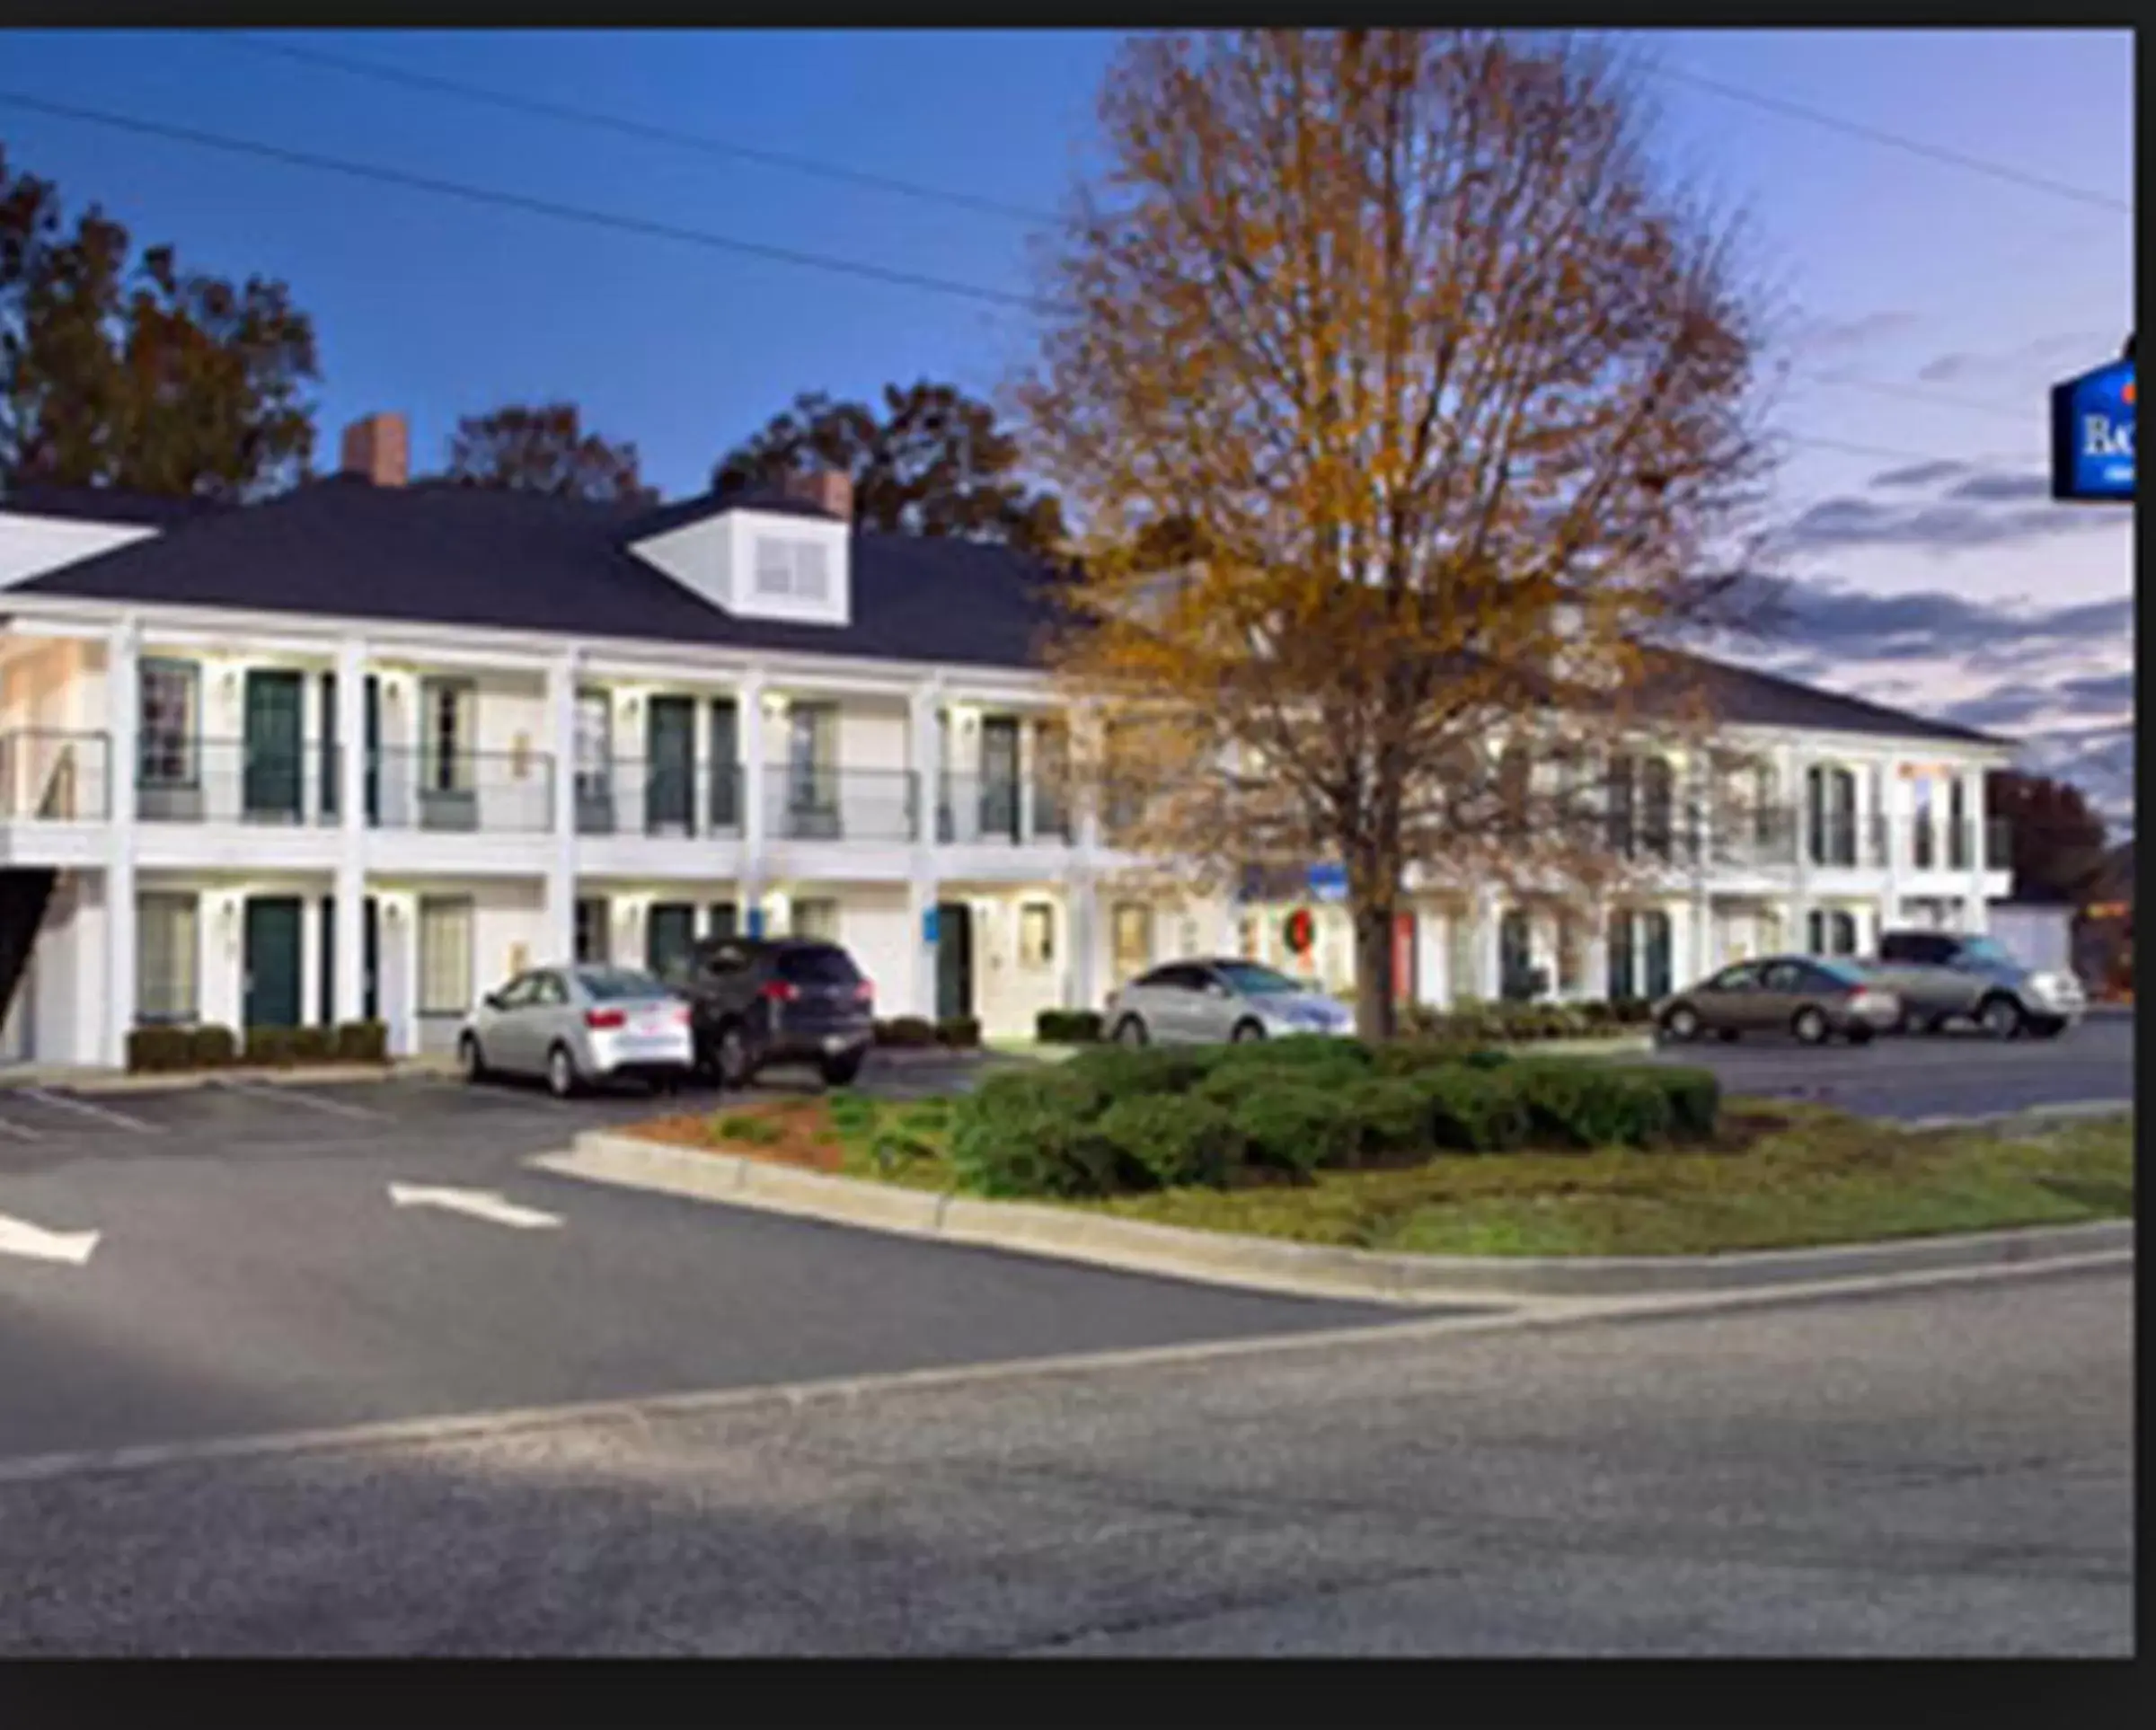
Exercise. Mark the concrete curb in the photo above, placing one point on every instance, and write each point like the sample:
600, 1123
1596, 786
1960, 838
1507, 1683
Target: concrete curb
1298, 1269
180, 1080
2065, 1109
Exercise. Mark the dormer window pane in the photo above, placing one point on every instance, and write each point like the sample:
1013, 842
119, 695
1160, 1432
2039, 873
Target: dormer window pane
774, 566
811, 581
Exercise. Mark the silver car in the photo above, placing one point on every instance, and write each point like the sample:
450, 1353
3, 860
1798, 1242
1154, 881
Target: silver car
1206, 1001
577, 1026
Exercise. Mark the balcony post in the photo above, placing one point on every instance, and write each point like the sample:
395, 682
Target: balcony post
1028, 763
349, 984
924, 757
123, 650
558, 933
1895, 784
1082, 939
754, 790
1976, 913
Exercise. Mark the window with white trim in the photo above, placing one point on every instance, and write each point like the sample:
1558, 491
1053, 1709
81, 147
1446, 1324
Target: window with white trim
445, 956
445, 720
799, 569
166, 721
166, 959
1036, 935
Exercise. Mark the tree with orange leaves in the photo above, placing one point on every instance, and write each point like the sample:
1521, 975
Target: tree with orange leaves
1441, 396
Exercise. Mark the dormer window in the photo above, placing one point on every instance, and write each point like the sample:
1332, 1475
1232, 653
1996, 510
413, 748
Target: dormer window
758, 564
796, 568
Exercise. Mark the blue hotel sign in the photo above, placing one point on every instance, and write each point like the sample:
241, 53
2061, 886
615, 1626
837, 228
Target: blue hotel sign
2092, 434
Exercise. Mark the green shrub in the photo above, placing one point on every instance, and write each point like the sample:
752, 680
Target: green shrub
1485, 1057
1392, 1115
959, 1032
1295, 1126
907, 1032
851, 1112
1632, 1011
363, 1042
271, 1047
1299, 1052
1692, 1096
1022, 1141
1475, 1111
156, 1049
1069, 1026
1113, 1073
1592, 1105
1176, 1142
313, 1045
212, 1047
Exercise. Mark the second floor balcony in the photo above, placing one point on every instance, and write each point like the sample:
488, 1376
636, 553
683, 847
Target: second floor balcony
54, 776
972, 808
817, 802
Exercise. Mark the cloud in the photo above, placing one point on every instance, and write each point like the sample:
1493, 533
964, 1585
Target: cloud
2101, 693
2005, 707
2014, 364
2099, 760
1828, 622
1918, 474
1944, 528
1835, 336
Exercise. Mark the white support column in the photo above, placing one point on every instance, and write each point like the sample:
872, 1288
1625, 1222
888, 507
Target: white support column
1085, 991
924, 753
1798, 921
558, 919
348, 986
754, 812
1895, 792
1598, 950
1489, 976
1976, 917
122, 716
1086, 747
1703, 961
1029, 755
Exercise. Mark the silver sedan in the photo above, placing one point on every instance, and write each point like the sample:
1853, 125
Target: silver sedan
1206, 1002
579, 1025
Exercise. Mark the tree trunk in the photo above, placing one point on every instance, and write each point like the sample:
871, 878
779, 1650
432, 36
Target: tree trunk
1374, 1016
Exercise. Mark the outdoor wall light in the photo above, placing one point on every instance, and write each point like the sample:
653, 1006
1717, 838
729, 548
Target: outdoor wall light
775, 702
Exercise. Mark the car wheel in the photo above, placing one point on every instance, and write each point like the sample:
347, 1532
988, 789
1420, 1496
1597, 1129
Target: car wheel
840, 1072
1809, 1026
734, 1067
1246, 1032
561, 1078
1682, 1024
2001, 1016
1130, 1031
468, 1054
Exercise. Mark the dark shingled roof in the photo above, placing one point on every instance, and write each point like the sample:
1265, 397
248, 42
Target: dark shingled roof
104, 505
440, 553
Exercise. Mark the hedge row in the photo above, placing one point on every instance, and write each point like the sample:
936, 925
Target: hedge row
1520, 1023
1116, 1119
915, 1033
165, 1049
1056, 1026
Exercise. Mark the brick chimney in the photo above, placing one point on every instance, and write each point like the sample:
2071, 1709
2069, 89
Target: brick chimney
377, 448
830, 489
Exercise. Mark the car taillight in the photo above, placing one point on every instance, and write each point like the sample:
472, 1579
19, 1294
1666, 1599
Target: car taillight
779, 992
864, 993
679, 1015
601, 1019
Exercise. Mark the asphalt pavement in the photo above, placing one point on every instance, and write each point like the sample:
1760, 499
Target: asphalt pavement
1948, 1074
270, 1258
1943, 1472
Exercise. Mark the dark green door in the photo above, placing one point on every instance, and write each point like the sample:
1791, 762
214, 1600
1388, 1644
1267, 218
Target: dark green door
272, 751
272, 961
327, 771
670, 765
669, 933
726, 765
954, 959
373, 705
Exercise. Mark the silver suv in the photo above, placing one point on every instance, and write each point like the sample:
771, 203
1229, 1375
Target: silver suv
1940, 976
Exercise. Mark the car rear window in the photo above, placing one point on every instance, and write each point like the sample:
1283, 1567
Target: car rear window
611, 984
1842, 973
819, 967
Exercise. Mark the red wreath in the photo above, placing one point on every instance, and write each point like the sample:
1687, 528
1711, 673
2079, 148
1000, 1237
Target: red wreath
1301, 930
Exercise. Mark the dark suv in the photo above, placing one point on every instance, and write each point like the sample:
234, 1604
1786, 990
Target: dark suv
786, 1000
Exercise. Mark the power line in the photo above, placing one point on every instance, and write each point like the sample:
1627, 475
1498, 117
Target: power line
523, 201
1895, 140
1912, 393
545, 108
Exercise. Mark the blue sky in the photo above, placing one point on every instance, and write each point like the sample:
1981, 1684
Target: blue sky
1957, 298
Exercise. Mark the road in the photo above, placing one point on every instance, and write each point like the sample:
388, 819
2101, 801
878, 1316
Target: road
1947, 1471
253, 1271
1953, 1075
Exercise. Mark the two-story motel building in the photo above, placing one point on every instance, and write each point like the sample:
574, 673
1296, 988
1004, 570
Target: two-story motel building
364, 749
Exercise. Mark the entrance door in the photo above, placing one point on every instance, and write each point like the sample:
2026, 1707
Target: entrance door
272, 962
954, 959
670, 765
1515, 956
670, 934
999, 776
271, 778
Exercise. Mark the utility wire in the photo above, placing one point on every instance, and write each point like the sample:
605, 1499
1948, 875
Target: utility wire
1893, 140
672, 230
523, 201
545, 108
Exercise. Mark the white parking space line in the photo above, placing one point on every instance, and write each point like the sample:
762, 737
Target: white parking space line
301, 1097
35, 1243
479, 1204
104, 1114
18, 1132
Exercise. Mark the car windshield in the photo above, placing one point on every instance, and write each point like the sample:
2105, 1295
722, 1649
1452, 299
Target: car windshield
816, 967
1248, 979
611, 984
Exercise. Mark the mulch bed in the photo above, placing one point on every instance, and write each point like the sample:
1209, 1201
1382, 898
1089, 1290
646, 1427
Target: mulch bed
805, 1136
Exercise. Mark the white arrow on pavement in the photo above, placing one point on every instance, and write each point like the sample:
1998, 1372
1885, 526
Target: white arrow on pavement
21, 1238
480, 1204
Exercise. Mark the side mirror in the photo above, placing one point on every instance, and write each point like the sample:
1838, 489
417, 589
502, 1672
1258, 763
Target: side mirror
492, 1001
